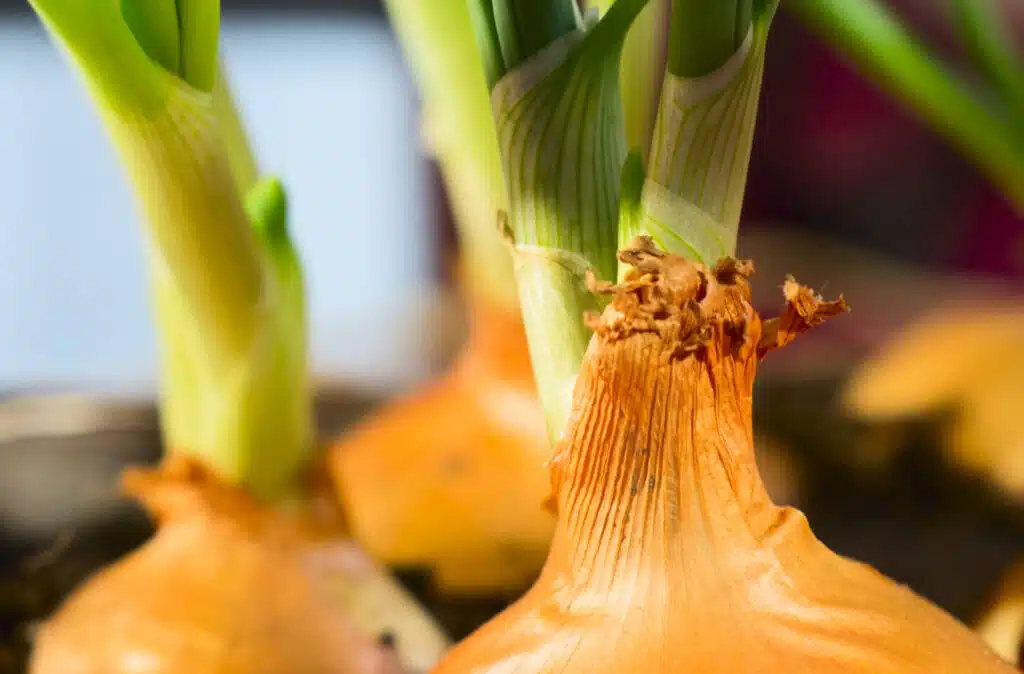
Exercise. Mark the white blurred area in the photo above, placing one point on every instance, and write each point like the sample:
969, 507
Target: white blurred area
330, 109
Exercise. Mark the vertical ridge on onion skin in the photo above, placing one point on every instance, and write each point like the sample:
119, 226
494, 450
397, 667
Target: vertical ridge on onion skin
669, 554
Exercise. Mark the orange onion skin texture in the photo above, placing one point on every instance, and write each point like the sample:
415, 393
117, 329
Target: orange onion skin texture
451, 477
223, 587
669, 555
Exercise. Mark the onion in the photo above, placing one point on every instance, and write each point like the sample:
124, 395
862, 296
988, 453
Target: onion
964, 360
229, 586
669, 555
452, 477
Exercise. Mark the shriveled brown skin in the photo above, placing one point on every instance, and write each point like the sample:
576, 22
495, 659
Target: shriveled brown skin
669, 555
223, 587
452, 478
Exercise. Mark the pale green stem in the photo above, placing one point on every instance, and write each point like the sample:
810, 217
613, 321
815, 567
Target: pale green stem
439, 44
642, 71
226, 280
697, 172
199, 21
197, 225
115, 68
562, 141
525, 27
868, 33
242, 407
705, 33
232, 132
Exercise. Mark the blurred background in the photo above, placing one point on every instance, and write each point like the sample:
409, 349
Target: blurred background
330, 108
848, 190
325, 93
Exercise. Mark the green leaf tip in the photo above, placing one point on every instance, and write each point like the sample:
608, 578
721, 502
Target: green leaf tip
266, 205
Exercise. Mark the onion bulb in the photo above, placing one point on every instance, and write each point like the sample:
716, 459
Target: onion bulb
669, 555
451, 478
227, 586
966, 361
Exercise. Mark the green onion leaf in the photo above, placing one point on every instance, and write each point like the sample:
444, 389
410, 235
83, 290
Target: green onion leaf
562, 141
700, 154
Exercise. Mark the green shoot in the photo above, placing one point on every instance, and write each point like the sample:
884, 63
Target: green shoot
562, 143
867, 32
228, 292
703, 136
643, 68
439, 43
705, 34
991, 47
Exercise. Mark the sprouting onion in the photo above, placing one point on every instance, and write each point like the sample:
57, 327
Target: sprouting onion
669, 555
247, 571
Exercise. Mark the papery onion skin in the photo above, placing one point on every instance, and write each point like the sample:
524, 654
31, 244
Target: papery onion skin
224, 586
669, 556
451, 477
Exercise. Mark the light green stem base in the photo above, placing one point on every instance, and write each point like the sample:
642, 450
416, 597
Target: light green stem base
226, 282
233, 355
562, 142
697, 172
554, 299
